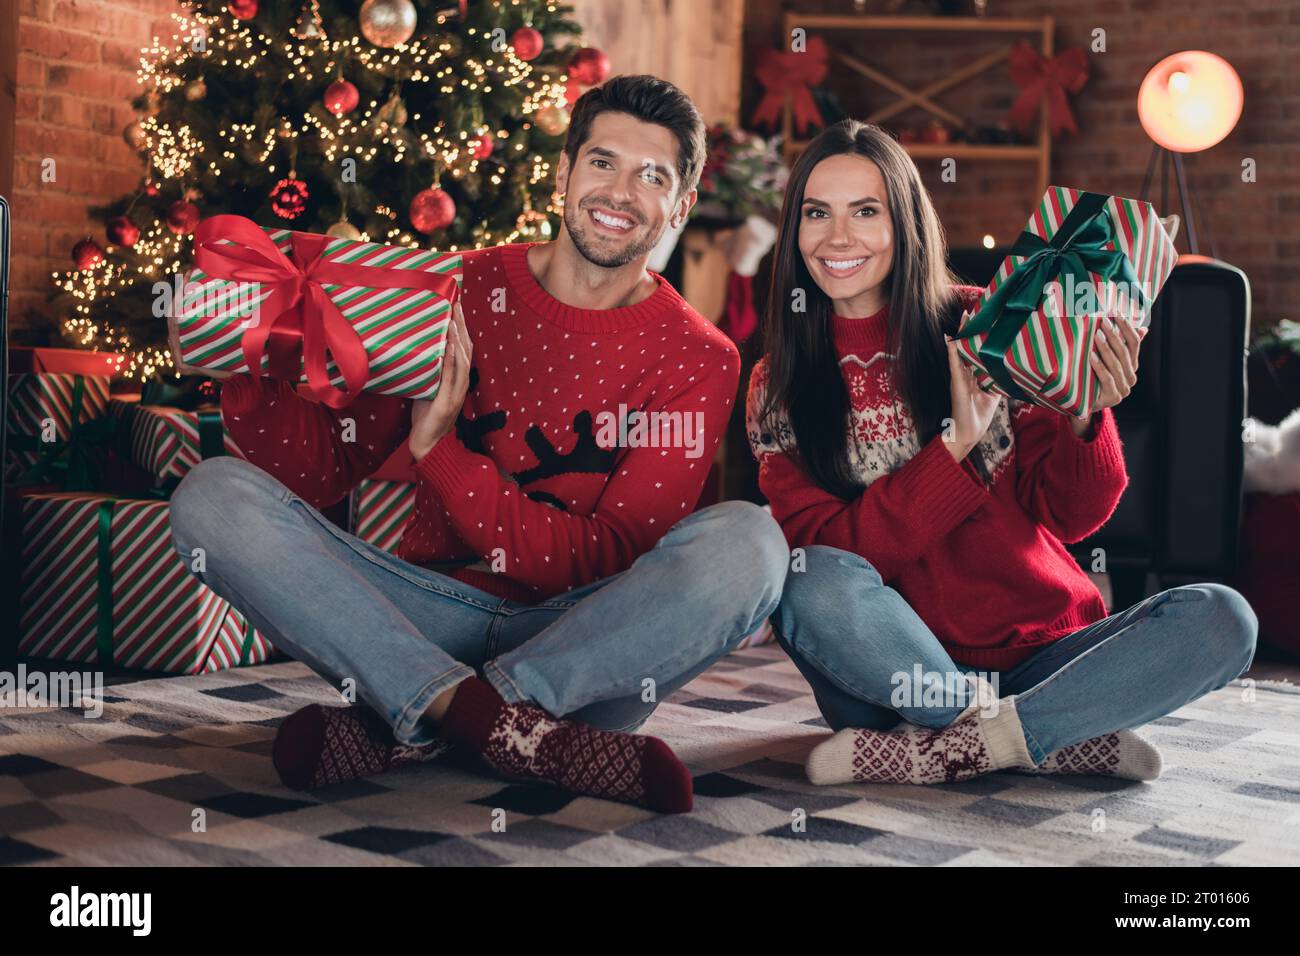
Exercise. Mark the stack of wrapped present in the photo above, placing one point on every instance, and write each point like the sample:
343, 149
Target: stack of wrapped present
88, 472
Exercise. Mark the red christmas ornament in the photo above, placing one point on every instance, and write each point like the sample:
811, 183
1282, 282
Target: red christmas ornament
527, 42
481, 146
431, 210
182, 217
122, 232
87, 253
289, 198
341, 97
589, 66
242, 9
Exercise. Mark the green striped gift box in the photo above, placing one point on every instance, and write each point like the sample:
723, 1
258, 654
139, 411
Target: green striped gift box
163, 440
380, 510
101, 583
404, 331
38, 398
1048, 357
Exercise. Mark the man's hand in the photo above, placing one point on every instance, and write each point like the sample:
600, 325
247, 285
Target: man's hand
433, 418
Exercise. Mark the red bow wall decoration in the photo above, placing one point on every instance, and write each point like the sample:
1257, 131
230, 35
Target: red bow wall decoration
1039, 77
785, 71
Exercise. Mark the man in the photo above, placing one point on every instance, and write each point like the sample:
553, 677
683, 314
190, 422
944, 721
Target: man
574, 588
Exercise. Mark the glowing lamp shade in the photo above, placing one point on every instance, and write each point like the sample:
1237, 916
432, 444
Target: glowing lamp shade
1190, 101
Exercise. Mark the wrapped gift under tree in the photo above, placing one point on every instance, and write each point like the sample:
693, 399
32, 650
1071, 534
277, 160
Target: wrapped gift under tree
102, 584
335, 314
166, 441
58, 428
1082, 258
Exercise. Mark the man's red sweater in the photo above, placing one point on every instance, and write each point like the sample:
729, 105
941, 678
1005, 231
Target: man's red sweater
536, 489
983, 567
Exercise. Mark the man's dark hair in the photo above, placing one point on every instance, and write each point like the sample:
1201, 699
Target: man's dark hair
650, 100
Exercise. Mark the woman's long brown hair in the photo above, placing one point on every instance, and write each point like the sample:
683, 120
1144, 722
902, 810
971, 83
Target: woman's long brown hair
803, 371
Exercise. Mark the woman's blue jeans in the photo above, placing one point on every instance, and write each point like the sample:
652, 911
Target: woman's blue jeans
605, 654
862, 648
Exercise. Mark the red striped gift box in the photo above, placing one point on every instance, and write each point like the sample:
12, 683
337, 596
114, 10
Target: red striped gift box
40, 405
1048, 358
101, 583
163, 440
380, 510
402, 330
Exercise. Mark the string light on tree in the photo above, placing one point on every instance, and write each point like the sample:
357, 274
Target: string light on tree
309, 25
440, 105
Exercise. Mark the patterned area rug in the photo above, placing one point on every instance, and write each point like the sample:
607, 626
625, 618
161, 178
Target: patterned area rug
128, 788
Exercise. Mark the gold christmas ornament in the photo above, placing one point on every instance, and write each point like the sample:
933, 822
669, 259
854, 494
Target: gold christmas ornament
134, 135
553, 120
196, 90
387, 23
309, 25
343, 230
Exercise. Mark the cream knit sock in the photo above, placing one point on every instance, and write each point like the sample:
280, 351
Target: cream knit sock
1120, 754
986, 736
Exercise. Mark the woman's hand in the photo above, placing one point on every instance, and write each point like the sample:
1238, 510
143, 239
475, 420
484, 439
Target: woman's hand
1114, 360
433, 418
972, 407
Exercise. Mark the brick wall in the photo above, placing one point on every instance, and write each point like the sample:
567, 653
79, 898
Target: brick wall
1256, 226
76, 78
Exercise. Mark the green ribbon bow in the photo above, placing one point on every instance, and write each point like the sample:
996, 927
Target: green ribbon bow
1078, 249
71, 465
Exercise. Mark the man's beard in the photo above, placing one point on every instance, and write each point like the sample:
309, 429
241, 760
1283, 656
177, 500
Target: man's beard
575, 220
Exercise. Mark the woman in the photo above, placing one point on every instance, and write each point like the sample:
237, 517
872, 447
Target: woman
931, 604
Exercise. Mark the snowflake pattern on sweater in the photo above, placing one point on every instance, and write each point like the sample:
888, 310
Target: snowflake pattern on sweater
882, 434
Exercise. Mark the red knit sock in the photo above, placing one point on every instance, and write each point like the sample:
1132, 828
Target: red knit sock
525, 741
317, 746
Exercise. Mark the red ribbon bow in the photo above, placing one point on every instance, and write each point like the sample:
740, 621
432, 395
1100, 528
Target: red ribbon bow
1040, 77
781, 72
298, 320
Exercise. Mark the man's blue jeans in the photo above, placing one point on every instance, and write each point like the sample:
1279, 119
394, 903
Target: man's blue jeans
858, 643
604, 654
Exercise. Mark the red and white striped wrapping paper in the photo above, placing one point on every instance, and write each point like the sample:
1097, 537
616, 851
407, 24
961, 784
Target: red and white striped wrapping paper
162, 617
403, 331
39, 396
1049, 358
163, 440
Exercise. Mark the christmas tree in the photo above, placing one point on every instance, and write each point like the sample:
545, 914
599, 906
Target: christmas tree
426, 123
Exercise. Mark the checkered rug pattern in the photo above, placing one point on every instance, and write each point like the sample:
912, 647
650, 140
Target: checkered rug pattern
176, 771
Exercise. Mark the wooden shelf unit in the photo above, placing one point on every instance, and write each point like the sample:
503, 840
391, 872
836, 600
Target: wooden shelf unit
1039, 152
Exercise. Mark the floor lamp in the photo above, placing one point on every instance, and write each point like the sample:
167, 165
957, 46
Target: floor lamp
1187, 103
